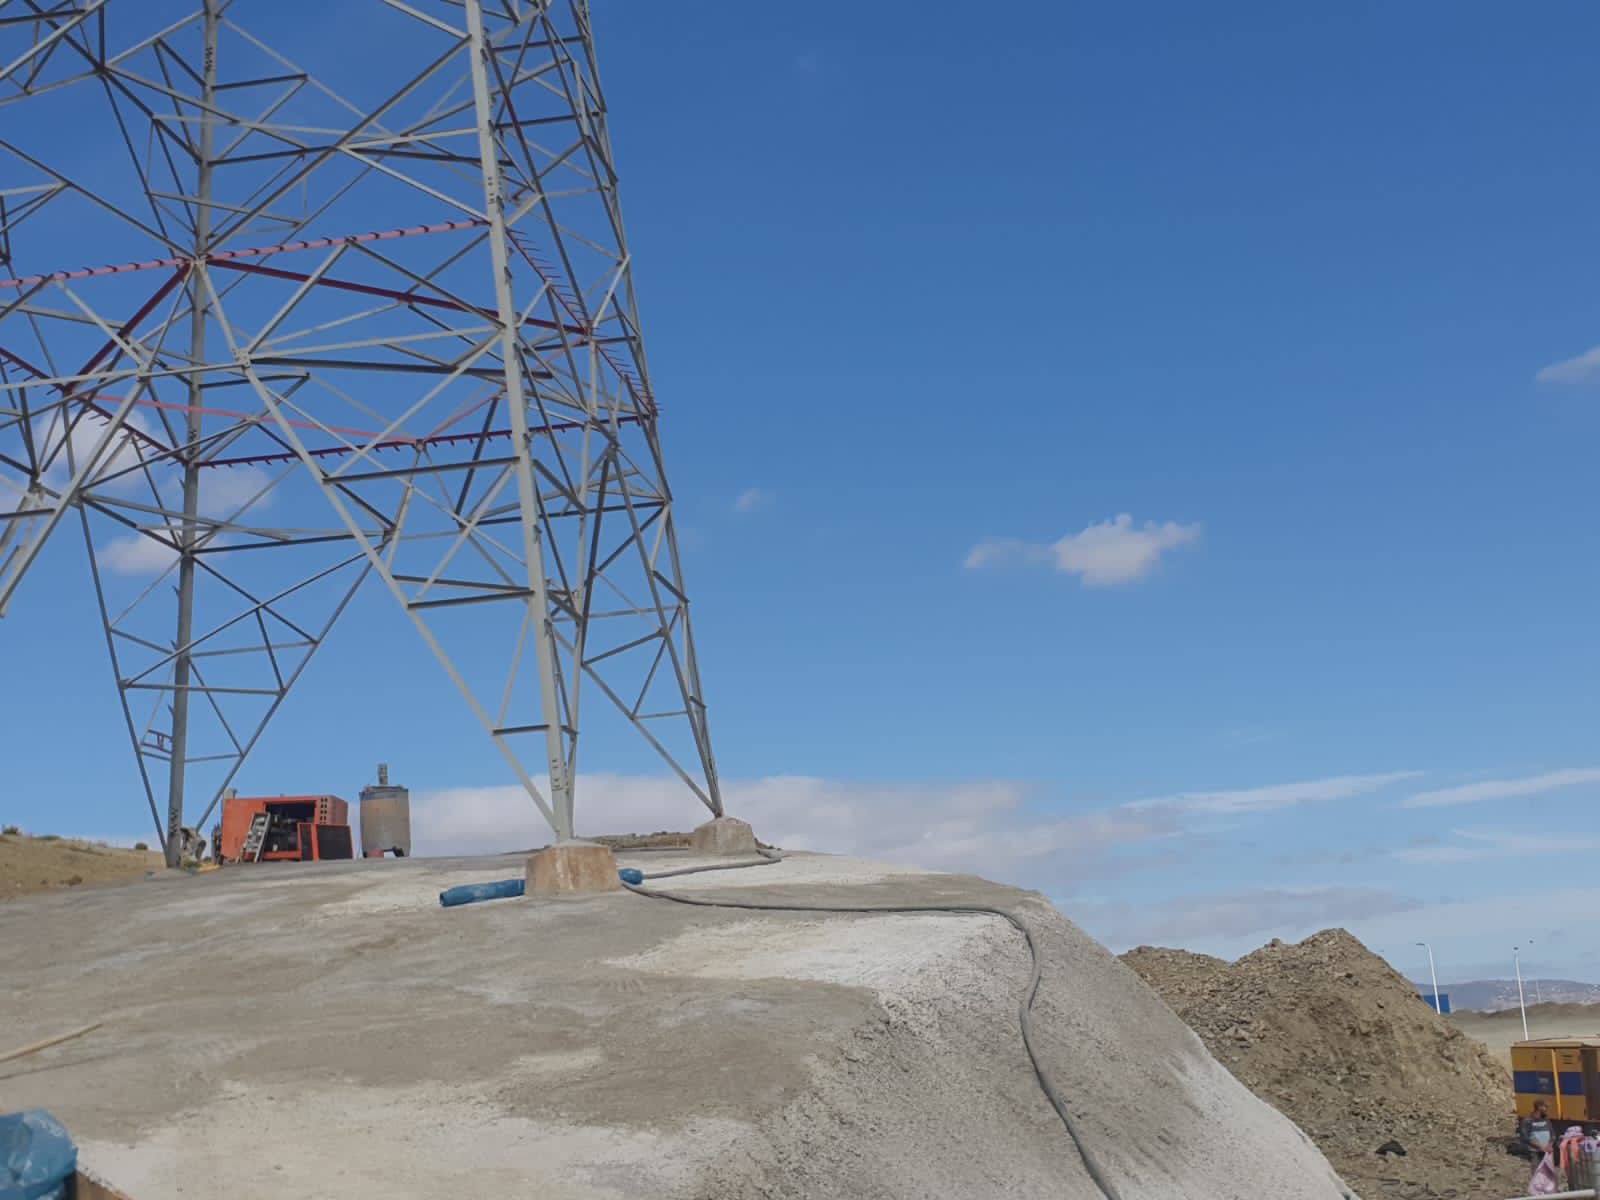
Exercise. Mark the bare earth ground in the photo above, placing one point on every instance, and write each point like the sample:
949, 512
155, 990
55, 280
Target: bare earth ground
328, 1030
1499, 1030
40, 864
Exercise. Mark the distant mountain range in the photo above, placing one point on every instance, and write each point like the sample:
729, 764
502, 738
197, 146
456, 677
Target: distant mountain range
1496, 995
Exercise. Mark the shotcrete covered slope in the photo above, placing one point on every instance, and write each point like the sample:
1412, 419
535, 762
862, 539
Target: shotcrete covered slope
613, 1046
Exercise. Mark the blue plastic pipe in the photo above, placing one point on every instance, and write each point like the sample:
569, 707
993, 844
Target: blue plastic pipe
505, 889
471, 893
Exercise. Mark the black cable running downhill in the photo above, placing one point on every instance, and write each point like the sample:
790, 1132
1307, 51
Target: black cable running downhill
1025, 1011
768, 858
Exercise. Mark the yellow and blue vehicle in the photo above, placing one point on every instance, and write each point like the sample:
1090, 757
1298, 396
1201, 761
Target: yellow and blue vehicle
1563, 1072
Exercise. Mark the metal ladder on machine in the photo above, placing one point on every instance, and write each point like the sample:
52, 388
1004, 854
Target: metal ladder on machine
256, 838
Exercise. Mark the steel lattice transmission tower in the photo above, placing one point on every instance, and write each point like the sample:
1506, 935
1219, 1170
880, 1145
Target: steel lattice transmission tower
370, 313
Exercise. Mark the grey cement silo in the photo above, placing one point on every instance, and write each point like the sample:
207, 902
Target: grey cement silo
385, 818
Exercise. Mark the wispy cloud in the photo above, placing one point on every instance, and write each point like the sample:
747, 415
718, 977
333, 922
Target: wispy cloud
1253, 913
136, 554
752, 500
1230, 923
1473, 844
986, 826
807, 62
66, 448
1503, 789
1003, 829
1581, 369
1468, 923
1280, 795
224, 495
223, 492
998, 552
997, 828
1101, 555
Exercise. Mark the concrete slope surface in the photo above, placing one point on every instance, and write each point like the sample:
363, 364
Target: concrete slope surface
329, 1031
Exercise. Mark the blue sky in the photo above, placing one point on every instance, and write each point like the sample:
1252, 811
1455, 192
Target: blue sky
1148, 446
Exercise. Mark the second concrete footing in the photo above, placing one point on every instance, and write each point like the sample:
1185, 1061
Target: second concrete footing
723, 835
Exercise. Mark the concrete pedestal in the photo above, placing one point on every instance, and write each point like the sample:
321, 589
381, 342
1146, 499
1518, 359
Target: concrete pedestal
572, 868
723, 835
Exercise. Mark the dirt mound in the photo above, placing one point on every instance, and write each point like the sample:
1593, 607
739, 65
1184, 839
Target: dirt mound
40, 864
1338, 1041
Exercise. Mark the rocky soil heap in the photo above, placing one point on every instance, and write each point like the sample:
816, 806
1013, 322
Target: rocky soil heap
1330, 1035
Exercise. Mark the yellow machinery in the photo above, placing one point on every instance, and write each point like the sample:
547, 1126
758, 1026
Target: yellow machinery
1563, 1072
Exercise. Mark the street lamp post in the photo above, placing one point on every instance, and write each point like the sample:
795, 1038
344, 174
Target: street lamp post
1522, 1004
1433, 975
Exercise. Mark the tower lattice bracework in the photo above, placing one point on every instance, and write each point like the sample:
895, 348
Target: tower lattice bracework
367, 310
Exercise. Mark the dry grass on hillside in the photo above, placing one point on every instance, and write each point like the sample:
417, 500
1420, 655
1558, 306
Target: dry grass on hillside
31, 864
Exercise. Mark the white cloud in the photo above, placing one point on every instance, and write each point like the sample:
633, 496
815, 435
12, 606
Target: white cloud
983, 826
991, 828
1474, 844
986, 826
226, 494
1280, 795
1117, 552
135, 554
225, 490
752, 499
121, 459
1101, 555
807, 62
1572, 370
1001, 552
1503, 789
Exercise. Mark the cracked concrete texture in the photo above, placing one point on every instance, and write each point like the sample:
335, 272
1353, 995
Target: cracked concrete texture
327, 1029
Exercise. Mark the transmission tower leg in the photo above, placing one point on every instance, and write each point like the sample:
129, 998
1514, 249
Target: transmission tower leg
538, 600
182, 668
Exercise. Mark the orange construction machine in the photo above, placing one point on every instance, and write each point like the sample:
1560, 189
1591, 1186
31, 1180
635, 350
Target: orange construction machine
283, 829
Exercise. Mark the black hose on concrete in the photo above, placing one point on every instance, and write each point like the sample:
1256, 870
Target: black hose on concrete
1024, 1013
767, 859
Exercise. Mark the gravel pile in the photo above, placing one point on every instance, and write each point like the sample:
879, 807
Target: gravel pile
1333, 1037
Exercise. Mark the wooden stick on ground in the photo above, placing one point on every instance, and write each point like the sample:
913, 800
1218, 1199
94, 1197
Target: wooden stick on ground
35, 1047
